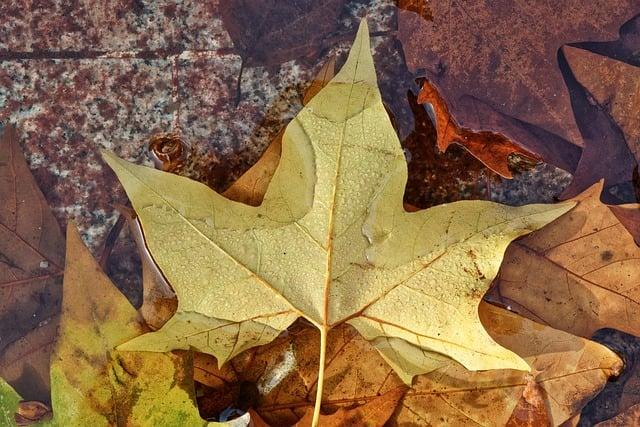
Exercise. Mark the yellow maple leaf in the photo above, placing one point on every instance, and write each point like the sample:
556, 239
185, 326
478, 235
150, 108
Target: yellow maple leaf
330, 242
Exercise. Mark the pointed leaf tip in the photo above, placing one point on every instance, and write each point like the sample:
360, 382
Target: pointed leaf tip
359, 66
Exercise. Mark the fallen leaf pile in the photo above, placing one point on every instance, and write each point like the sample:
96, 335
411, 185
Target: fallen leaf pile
309, 293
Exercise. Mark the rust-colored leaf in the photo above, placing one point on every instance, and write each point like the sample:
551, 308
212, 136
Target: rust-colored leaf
579, 273
629, 216
531, 410
504, 54
31, 264
374, 413
491, 148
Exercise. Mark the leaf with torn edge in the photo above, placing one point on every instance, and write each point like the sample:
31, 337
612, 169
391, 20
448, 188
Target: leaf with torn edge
330, 242
31, 263
93, 384
579, 274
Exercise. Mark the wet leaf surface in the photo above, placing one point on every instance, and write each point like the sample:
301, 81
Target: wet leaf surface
568, 372
31, 264
500, 54
585, 265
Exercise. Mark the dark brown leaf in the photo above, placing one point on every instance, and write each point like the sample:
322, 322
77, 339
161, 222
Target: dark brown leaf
628, 418
606, 153
31, 263
270, 32
504, 54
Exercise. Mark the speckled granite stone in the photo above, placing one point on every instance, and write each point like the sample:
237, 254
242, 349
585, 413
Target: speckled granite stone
46, 26
67, 110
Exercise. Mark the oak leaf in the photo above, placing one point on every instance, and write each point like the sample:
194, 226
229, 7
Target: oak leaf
31, 264
330, 242
578, 274
93, 384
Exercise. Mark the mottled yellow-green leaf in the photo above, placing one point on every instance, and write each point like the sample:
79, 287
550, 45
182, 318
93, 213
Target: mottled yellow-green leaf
9, 400
92, 384
331, 242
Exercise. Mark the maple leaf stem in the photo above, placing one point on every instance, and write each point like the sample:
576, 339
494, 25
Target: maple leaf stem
324, 329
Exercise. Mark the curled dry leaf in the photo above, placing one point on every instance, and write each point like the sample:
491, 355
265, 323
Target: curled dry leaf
330, 242
491, 148
568, 371
31, 264
579, 274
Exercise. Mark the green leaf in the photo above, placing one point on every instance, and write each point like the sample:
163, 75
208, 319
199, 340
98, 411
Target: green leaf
92, 383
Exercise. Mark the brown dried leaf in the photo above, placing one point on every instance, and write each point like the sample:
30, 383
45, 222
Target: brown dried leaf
374, 413
604, 100
492, 149
569, 370
497, 52
579, 273
615, 85
31, 265
629, 216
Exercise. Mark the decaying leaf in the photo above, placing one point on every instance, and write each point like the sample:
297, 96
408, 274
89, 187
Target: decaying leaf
492, 149
568, 371
628, 418
93, 384
374, 413
615, 85
606, 154
497, 52
330, 242
629, 217
579, 274
531, 409
31, 263
262, 30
